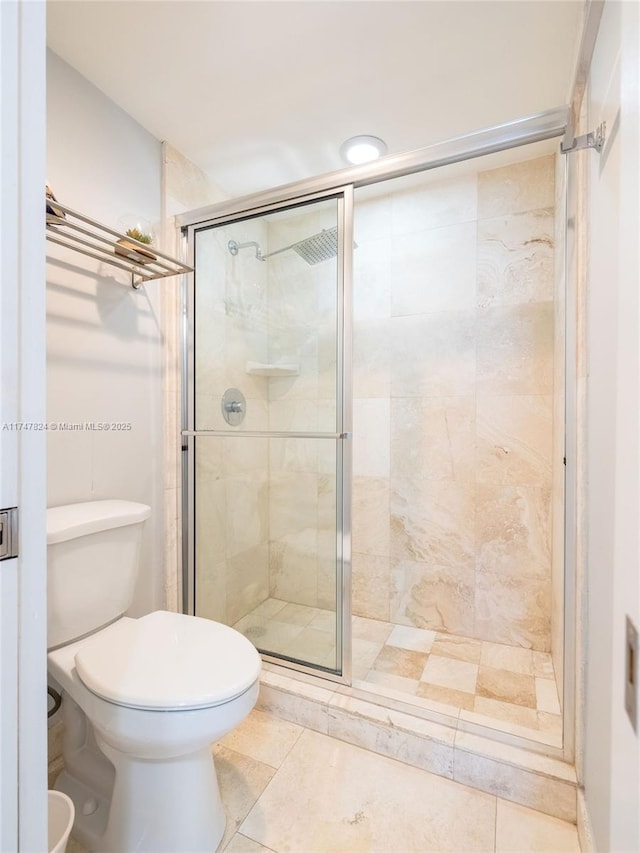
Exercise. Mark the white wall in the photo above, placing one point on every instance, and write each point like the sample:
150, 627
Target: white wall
611, 751
104, 339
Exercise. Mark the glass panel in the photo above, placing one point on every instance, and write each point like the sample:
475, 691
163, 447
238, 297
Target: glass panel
266, 508
266, 319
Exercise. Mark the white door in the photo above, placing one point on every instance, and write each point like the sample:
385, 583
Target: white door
22, 448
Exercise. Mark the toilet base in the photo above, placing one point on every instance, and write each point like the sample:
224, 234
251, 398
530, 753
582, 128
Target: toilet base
156, 806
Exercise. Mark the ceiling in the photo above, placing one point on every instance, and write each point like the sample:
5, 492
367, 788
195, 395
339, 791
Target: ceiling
263, 92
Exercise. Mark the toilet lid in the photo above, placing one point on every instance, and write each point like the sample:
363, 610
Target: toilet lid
168, 661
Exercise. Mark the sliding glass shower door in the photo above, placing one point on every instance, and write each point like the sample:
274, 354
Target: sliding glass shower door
268, 429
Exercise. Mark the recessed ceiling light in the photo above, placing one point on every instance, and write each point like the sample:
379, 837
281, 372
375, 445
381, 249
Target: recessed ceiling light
362, 149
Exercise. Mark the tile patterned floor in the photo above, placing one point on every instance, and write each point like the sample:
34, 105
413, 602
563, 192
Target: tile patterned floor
505, 687
287, 788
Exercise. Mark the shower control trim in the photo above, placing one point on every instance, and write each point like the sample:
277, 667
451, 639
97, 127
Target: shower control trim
233, 406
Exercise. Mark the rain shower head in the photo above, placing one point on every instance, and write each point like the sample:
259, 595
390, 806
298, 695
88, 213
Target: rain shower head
315, 249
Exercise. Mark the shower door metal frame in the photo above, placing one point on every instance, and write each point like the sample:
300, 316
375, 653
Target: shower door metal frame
547, 125
344, 427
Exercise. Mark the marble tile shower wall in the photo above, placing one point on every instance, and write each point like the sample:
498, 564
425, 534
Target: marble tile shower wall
453, 405
302, 486
232, 518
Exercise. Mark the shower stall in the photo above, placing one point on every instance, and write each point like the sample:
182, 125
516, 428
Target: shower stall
374, 427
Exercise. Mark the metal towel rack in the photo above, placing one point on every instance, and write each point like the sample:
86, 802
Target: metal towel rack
81, 234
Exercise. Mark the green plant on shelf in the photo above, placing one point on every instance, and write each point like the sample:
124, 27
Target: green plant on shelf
137, 234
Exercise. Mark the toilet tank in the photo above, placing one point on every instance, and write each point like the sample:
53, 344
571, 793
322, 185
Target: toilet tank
93, 555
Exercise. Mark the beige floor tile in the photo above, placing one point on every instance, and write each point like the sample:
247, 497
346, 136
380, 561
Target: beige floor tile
447, 672
507, 712
402, 662
241, 844
461, 648
264, 737
364, 652
523, 830
506, 686
551, 723
543, 665
372, 630
416, 639
330, 796
547, 696
447, 696
74, 846
242, 780
297, 614
513, 658
395, 682
324, 620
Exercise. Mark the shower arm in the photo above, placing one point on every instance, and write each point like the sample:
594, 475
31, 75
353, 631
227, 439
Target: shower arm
235, 247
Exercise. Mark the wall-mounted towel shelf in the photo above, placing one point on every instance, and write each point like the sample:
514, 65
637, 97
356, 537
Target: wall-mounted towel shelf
78, 232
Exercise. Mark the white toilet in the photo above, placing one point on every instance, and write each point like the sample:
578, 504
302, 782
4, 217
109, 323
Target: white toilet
142, 698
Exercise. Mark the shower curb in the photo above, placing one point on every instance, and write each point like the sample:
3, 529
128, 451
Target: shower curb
513, 773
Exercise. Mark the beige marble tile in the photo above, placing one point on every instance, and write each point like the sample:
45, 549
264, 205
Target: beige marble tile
448, 672
432, 597
264, 737
324, 620
547, 695
515, 349
506, 686
373, 630
514, 440
434, 355
446, 695
434, 270
241, 844
551, 796
247, 583
242, 780
370, 585
461, 648
371, 428
415, 741
372, 358
399, 685
369, 802
211, 582
542, 665
247, 511
293, 567
498, 656
372, 280
433, 522
421, 203
519, 187
506, 712
527, 831
514, 611
513, 530
371, 217
433, 438
363, 652
416, 639
316, 647
402, 662
551, 723
296, 614
306, 711
269, 635
516, 259
370, 516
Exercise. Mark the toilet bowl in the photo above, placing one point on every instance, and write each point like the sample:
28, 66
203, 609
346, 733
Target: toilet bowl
143, 699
